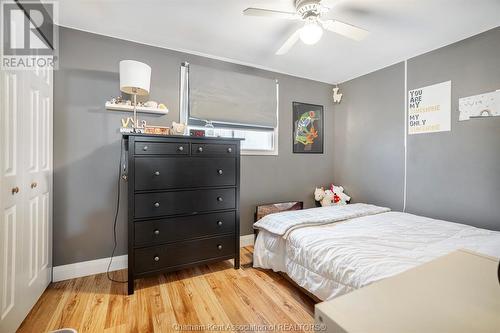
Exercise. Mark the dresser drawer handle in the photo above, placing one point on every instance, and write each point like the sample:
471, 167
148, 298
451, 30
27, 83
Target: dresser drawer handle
156, 258
181, 148
219, 247
219, 223
229, 149
156, 232
157, 204
220, 172
145, 148
157, 173
220, 199
200, 149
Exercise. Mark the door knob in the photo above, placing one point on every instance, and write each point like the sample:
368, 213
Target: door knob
34, 184
15, 190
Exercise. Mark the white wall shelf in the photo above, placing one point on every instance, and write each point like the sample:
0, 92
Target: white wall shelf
130, 108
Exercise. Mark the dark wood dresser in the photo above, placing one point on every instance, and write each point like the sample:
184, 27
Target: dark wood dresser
183, 202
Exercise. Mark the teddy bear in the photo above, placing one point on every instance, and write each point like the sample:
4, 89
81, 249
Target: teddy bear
334, 196
325, 198
339, 192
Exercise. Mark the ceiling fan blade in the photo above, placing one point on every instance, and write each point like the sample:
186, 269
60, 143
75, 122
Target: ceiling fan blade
346, 30
270, 13
289, 43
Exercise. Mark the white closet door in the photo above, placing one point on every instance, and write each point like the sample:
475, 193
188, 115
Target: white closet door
26, 187
12, 203
37, 150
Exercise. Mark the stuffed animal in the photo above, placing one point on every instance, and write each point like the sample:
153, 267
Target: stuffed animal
325, 198
334, 196
319, 193
339, 192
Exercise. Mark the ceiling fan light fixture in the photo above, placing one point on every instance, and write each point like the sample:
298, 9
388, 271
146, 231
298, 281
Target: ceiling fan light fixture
311, 33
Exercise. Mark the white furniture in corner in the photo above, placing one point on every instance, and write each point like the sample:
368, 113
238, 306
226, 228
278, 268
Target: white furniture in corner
26, 118
455, 293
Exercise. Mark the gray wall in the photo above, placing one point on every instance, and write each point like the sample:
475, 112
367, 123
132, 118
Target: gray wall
451, 175
86, 141
369, 134
456, 175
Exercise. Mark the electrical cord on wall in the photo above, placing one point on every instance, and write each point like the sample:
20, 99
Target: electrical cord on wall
116, 216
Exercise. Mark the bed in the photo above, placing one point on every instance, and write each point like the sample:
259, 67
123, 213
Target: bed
330, 251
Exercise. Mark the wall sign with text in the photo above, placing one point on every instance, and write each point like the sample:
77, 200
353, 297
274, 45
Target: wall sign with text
429, 109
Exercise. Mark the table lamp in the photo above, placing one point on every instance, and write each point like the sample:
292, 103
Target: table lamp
135, 79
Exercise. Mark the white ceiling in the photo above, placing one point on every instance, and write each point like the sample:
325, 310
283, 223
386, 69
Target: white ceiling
400, 29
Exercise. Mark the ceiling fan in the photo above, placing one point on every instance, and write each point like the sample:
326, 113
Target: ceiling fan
309, 11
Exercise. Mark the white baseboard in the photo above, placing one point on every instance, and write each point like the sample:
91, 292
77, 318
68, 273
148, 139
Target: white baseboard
85, 268
91, 267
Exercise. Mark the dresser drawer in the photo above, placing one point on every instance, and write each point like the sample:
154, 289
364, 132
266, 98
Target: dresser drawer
182, 228
183, 202
161, 148
182, 253
207, 149
155, 173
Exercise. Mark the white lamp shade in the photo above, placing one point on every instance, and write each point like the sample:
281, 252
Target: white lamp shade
135, 77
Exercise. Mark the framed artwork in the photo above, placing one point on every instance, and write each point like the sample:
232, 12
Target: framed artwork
308, 132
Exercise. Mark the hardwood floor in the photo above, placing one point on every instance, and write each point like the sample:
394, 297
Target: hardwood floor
202, 297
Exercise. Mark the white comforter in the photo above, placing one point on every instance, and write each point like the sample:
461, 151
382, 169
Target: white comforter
331, 260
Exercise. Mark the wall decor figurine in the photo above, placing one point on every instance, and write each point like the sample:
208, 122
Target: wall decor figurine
308, 133
337, 97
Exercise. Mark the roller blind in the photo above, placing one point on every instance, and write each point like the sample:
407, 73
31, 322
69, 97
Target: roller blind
231, 97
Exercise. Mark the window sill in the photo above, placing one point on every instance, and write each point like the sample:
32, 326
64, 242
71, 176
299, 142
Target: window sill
259, 153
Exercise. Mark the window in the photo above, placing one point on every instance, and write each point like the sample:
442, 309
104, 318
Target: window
228, 101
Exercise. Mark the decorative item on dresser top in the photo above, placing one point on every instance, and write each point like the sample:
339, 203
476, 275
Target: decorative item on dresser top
183, 195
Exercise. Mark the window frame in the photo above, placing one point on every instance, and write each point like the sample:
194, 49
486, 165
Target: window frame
199, 124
